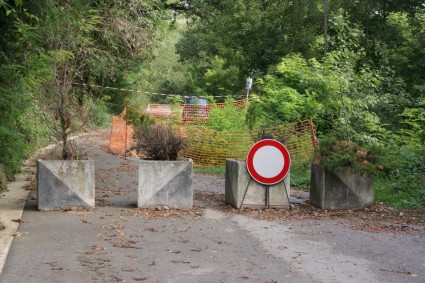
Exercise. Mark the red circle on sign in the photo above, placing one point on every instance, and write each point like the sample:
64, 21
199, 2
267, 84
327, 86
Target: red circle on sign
259, 167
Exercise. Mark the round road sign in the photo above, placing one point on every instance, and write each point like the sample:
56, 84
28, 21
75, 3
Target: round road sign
268, 162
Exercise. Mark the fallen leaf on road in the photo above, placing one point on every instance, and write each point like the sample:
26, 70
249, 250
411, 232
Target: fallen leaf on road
141, 279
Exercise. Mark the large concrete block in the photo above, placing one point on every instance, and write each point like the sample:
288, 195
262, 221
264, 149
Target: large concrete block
63, 184
340, 190
166, 183
237, 179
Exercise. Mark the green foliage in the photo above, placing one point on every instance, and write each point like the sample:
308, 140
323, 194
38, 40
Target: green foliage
334, 154
289, 91
405, 167
253, 113
218, 78
331, 93
411, 198
242, 38
133, 117
99, 116
49, 49
137, 101
300, 175
162, 72
3, 181
14, 131
9, 155
413, 123
227, 118
368, 88
141, 122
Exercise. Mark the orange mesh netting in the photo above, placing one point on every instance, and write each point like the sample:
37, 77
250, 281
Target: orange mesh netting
160, 110
121, 134
188, 112
211, 147
208, 147
193, 112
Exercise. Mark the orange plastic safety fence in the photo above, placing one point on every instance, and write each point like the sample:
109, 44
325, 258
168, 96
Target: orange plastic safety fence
194, 112
121, 137
209, 147
187, 112
161, 110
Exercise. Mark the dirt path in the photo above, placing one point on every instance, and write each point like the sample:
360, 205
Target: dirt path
116, 242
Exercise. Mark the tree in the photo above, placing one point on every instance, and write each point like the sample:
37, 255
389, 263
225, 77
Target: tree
49, 49
249, 36
334, 92
15, 137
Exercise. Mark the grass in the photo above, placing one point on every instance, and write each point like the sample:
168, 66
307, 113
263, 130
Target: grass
301, 175
398, 199
219, 170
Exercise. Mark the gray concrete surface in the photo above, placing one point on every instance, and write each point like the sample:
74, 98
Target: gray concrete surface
63, 184
116, 242
167, 183
12, 203
240, 187
340, 189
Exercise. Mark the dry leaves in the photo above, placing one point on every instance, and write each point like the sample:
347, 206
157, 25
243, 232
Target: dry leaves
83, 210
160, 212
53, 265
376, 218
212, 198
126, 245
31, 186
102, 203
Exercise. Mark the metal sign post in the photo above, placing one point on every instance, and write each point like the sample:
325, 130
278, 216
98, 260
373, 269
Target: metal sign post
248, 86
267, 196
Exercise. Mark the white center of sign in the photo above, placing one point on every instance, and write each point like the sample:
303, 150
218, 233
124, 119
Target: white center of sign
268, 161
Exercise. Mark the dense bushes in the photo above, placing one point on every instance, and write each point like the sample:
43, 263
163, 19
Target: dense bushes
50, 52
335, 154
3, 180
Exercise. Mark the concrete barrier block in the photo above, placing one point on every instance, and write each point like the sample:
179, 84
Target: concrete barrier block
343, 189
167, 183
63, 184
237, 179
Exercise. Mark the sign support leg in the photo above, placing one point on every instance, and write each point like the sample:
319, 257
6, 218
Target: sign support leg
246, 190
267, 196
287, 195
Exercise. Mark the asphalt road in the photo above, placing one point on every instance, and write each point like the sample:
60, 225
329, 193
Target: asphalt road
115, 242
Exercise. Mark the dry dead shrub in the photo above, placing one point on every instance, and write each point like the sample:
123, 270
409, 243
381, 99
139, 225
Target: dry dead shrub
159, 142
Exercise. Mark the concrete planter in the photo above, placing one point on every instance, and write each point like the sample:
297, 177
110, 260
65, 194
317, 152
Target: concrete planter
167, 183
340, 190
237, 179
63, 184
